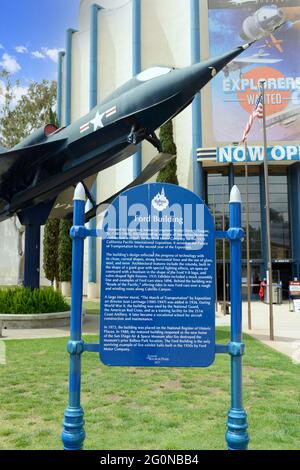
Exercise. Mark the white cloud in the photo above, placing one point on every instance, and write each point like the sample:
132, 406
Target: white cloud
21, 49
18, 92
51, 53
37, 55
10, 64
1, 46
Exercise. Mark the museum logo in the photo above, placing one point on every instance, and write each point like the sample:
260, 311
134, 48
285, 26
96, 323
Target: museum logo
160, 202
153, 219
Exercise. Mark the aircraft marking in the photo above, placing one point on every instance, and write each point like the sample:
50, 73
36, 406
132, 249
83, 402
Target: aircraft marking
85, 127
97, 121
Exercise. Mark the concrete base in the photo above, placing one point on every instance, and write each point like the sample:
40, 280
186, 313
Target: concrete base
93, 290
39, 320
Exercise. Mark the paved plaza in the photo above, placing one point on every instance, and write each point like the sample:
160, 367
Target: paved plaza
286, 327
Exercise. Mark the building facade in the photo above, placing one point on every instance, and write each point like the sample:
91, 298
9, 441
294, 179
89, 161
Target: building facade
116, 39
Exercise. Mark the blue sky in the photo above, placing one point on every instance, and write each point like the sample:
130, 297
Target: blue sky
31, 34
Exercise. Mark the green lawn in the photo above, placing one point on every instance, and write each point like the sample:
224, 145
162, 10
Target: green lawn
130, 408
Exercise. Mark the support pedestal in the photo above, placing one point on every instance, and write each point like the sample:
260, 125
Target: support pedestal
32, 256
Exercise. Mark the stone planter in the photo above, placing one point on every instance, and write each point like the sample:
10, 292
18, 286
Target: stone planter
39, 320
66, 289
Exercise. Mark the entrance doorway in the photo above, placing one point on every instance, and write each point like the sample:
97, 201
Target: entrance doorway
285, 275
254, 281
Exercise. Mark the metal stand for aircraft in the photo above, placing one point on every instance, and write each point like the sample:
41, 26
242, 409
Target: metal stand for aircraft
33, 219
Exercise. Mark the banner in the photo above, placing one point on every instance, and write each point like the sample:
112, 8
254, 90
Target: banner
275, 26
255, 154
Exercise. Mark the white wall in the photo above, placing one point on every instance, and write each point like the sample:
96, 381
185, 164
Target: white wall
165, 29
80, 74
9, 253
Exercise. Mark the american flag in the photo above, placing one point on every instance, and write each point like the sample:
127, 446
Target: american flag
256, 113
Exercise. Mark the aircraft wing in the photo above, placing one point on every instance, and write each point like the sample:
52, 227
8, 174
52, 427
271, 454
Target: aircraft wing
156, 164
9, 158
286, 117
255, 60
63, 206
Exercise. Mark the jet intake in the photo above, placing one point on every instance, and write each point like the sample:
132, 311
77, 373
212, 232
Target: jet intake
37, 137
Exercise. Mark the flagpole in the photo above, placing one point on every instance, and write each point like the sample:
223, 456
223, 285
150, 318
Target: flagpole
248, 240
266, 175
224, 257
216, 277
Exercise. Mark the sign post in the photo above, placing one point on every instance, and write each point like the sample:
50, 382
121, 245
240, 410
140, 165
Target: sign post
157, 293
237, 437
73, 434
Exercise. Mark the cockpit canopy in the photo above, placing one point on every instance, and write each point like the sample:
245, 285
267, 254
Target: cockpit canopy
153, 72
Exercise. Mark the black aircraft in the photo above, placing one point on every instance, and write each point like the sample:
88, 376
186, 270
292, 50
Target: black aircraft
37, 176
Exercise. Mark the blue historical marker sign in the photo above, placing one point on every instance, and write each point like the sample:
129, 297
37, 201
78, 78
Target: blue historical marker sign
157, 295
157, 279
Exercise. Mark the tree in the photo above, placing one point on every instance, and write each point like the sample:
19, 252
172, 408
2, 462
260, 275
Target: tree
168, 174
53, 119
33, 109
23, 110
50, 243
65, 251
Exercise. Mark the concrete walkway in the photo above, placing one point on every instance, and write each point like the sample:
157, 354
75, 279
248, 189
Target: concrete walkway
90, 327
286, 326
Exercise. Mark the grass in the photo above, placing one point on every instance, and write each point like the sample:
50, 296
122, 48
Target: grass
131, 408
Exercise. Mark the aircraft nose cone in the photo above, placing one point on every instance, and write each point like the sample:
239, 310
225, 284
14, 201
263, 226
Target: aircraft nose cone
200, 74
220, 62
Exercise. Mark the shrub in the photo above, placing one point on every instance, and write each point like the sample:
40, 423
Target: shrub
169, 173
65, 251
50, 258
21, 300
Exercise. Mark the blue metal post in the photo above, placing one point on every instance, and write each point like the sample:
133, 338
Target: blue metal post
73, 434
136, 68
236, 436
59, 87
198, 176
92, 242
68, 76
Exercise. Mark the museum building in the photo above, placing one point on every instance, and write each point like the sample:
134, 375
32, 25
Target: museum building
117, 39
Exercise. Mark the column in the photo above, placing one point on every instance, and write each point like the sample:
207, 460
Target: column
136, 68
61, 55
68, 76
93, 100
198, 178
